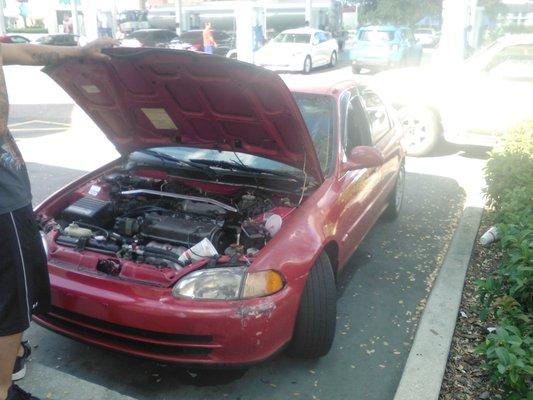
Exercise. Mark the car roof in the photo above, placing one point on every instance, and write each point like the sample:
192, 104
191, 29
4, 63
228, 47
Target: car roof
321, 88
524, 38
302, 30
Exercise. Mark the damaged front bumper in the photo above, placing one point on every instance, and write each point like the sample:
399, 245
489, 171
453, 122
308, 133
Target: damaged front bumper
147, 321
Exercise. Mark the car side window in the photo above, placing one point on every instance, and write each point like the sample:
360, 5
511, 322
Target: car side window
377, 114
513, 63
357, 130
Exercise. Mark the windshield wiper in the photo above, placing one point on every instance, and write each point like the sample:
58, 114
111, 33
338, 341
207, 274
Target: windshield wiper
236, 166
168, 158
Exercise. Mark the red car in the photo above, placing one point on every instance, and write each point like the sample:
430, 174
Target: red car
278, 187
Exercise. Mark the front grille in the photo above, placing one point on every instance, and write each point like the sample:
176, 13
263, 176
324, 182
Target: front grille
61, 312
66, 320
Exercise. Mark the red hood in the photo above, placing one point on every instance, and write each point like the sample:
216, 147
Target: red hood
144, 98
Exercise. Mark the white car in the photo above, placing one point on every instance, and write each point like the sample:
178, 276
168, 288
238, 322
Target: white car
470, 103
299, 49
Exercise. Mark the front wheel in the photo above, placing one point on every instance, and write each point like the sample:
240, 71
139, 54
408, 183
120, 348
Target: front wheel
333, 59
308, 65
317, 315
396, 199
421, 130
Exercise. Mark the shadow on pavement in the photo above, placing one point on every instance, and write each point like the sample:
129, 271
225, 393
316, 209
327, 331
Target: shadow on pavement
50, 179
382, 291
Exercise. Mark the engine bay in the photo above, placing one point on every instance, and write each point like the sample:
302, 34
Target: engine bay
165, 224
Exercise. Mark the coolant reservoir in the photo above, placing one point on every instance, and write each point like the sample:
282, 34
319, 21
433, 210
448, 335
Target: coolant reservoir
74, 230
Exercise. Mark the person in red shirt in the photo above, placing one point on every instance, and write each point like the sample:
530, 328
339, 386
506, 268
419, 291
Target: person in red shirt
209, 41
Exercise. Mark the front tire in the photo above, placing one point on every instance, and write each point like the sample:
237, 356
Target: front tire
396, 199
308, 65
315, 323
421, 130
333, 59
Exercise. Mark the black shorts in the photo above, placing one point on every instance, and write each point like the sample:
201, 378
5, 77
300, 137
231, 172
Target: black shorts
24, 281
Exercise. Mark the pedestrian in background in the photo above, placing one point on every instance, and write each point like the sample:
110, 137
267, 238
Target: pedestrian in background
209, 41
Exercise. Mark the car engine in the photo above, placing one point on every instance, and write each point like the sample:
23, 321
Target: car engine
152, 221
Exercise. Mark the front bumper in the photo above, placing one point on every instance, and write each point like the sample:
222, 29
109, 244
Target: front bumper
147, 321
294, 64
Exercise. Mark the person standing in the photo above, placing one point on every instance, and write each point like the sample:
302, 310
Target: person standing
209, 41
24, 282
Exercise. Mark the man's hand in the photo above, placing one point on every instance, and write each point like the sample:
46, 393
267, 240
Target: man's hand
93, 49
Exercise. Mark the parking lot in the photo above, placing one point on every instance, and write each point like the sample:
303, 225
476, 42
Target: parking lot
380, 294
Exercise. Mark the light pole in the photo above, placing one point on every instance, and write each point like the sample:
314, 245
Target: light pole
75, 22
2, 18
178, 17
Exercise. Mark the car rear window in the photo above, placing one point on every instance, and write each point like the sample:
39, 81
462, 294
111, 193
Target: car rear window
376, 36
293, 38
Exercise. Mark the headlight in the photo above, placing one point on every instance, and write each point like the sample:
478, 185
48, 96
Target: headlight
228, 284
45, 243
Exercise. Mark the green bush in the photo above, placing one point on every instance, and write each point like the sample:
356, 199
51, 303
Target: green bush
511, 165
507, 295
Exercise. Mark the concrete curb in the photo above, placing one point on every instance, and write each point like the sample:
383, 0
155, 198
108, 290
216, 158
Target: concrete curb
426, 364
51, 383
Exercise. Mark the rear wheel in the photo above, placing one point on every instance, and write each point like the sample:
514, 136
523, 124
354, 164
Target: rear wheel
396, 200
317, 315
308, 65
421, 130
333, 59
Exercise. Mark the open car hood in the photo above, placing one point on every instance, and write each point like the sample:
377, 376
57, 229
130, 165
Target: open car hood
143, 98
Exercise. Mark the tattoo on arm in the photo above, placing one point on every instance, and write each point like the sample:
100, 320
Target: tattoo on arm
47, 58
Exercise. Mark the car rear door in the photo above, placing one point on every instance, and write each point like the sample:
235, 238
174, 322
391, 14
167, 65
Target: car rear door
356, 205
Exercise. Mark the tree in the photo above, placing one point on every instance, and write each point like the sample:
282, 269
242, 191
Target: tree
397, 12
492, 7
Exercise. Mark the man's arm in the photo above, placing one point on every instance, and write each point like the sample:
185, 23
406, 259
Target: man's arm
35, 54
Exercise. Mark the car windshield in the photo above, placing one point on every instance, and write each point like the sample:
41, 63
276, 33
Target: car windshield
376, 36
318, 116
293, 38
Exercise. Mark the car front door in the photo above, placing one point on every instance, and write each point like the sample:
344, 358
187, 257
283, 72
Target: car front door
386, 135
316, 53
358, 188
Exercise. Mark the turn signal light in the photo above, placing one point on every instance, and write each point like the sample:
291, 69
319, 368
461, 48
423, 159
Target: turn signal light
262, 283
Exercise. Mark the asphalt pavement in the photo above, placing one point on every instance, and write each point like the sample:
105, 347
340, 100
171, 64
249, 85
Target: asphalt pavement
382, 291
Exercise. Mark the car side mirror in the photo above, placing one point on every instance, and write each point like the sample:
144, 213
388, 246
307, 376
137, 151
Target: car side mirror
314, 42
363, 157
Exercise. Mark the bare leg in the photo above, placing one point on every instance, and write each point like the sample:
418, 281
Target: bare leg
9, 348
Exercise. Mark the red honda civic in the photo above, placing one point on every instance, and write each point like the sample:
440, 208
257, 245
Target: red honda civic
217, 237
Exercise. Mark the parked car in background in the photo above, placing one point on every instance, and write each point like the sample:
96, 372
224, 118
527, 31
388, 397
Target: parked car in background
14, 39
59, 39
278, 185
193, 40
150, 38
298, 50
383, 47
427, 37
472, 103
132, 20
